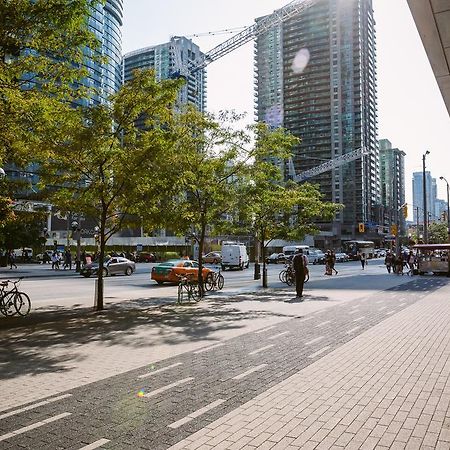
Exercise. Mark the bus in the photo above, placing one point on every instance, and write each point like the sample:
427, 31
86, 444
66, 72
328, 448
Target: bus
354, 248
433, 258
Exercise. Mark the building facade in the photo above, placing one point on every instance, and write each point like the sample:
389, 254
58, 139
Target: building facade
315, 74
417, 186
170, 60
392, 175
105, 21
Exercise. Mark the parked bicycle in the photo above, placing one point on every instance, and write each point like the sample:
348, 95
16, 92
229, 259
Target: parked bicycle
13, 301
187, 289
287, 275
214, 281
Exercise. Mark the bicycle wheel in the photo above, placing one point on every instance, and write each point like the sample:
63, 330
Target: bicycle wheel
307, 277
290, 280
8, 304
282, 276
209, 282
194, 292
22, 303
220, 281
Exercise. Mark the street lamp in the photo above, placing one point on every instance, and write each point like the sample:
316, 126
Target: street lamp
76, 228
425, 212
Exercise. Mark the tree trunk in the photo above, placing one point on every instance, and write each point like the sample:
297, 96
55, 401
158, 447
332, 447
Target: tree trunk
263, 254
201, 244
100, 286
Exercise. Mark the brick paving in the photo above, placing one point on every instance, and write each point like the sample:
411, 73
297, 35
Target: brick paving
372, 372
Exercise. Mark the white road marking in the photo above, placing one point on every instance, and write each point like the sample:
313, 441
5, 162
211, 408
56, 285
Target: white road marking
248, 372
205, 349
255, 352
146, 375
95, 444
265, 329
276, 336
323, 323
315, 340
353, 330
33, 426
169, 386
197, 413
319, 352
36, 405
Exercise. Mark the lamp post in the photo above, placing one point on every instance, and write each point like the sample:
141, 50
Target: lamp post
76, 228
425, 212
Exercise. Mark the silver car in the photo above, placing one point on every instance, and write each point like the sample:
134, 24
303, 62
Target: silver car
113, 266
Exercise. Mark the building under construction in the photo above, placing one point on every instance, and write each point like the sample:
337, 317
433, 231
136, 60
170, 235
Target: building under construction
315, 74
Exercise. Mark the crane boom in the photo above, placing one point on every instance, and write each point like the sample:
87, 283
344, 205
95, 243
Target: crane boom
325, 167
277, 17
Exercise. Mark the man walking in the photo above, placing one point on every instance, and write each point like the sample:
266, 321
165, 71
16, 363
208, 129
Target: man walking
363, 260
12, 259
299, 264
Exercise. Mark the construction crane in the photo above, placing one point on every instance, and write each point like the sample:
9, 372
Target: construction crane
292, 9
325, 167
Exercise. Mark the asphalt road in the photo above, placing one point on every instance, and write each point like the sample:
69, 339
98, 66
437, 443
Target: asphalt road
47, 288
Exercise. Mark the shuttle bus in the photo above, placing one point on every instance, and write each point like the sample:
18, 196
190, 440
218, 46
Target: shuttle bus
354, 248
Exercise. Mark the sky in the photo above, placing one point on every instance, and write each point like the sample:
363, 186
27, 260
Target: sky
411, 111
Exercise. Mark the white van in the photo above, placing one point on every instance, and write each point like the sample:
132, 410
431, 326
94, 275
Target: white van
290, 250
234, 256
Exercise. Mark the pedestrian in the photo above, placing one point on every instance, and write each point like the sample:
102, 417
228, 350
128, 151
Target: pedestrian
333, 262
55, 260
388, 262
399, 264
328, 263
67, 260
411, 261
299, 264
12, 260
363, 259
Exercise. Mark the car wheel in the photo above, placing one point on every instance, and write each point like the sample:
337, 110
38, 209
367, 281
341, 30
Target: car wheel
128, 271
160, 282
86, 274
223, 268
248, 264
105, 272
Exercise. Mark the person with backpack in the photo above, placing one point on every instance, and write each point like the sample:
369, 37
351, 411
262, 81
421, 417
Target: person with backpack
299, 264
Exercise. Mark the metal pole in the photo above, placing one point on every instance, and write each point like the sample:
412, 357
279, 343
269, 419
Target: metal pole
418, 226
425, 212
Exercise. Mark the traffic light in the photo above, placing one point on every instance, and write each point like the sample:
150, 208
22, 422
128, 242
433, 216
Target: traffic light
361, 228
405, 211
394, 229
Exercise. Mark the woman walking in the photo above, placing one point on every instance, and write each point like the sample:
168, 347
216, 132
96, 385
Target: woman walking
363, 259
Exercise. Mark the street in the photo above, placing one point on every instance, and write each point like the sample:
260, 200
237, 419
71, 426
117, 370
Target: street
48, 288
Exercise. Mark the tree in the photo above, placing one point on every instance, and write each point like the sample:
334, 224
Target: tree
278, 209
42, 45
24, 231
214, 156
437, 233
108, 169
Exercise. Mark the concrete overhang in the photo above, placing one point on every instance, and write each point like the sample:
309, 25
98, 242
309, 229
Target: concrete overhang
432, 19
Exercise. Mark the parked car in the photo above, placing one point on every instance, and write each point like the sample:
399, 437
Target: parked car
276, 258
316, 257
342, 257
167, 272
212, 258
234, 256
113, 266
146, 257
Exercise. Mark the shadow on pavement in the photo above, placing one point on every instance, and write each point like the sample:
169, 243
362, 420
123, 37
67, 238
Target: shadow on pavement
28, 340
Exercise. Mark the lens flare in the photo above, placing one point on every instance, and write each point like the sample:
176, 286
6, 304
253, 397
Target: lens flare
141, 393
301, 60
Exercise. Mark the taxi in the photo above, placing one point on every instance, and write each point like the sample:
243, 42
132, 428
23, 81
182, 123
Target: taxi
169, 271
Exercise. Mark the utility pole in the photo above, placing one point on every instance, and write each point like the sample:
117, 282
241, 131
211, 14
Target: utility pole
425, 212
418, 227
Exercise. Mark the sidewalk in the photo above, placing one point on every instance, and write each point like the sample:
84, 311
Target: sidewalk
34, 271
387, 388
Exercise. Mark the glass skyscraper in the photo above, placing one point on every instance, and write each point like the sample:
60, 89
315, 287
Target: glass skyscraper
315, 74
105, 21
165, 59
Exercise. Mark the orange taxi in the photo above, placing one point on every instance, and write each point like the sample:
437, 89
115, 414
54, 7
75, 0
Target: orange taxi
167, 272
